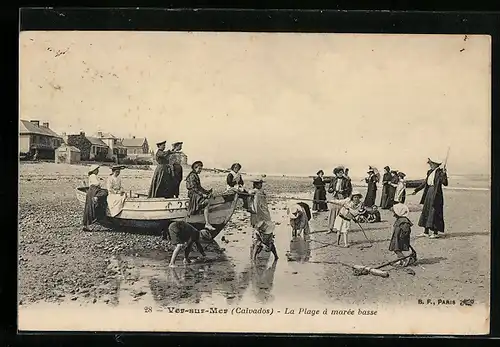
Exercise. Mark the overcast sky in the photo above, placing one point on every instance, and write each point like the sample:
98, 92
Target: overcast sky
277, 103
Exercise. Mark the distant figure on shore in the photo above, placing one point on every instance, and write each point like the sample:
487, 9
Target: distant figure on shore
432, 213
260, 220
116, 194
199, 197
385, 201
400, 195
175, 162
234, 181
340, 187
162, 177
95, 203
319, 204
371, 193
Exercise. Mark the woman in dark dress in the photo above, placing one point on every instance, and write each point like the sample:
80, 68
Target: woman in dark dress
319, 203
95, 203
234, 180
393, 184
176, 165
432, 217
371, 193
161, 183
199, 197
386, 187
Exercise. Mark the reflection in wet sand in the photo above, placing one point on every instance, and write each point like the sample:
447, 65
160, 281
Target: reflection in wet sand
300, 249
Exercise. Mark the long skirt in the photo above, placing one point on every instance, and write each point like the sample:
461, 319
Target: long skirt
176, 180
161, 183
384, 200
320, 200
115, 204
95, 211
197, 203
432, 212
371, 195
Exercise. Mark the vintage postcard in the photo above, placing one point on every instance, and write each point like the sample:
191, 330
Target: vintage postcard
254, 182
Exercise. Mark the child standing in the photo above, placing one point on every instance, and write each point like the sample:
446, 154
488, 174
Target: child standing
400, 240
260, 219
400, 195
350, 209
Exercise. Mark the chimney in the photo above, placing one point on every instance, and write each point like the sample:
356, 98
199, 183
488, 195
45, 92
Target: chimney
82, 133
99, 133
35, 122
46, 124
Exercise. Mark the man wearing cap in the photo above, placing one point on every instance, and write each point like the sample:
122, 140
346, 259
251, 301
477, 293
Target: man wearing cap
175, 161
432, 217
340, 187
162, 177
95, 203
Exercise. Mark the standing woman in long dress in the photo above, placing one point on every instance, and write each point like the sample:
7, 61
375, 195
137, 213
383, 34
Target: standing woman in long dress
162, 177
386, 187
199, 197
319, 203
176, 167
95, 203
371, 193
432, 216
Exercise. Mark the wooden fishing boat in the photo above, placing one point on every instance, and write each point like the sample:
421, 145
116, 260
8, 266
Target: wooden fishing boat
142, 212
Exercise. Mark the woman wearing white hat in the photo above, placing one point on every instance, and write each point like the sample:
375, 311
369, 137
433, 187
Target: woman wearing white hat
116, 194
95, 203
432, 212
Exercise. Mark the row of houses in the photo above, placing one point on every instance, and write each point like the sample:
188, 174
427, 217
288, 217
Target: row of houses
38, 140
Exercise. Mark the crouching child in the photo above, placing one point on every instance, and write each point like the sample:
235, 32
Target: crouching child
400, 240
184, 234
300, 215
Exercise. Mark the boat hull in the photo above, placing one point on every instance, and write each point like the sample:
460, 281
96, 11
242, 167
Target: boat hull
158, 213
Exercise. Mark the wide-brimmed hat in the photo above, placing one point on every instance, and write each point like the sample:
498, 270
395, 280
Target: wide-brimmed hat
356, 193
435, 161
177, 143
387, 168
338, 169
161, 143
320, 172
401, 174
198, 162
93, 168
293, 211
400, 210
117, 168
235, 165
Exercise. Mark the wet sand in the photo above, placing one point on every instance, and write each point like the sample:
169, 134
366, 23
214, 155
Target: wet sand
60, 264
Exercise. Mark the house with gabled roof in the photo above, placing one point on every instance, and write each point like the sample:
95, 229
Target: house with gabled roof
91, 148
136, 145
38, 139
116, 148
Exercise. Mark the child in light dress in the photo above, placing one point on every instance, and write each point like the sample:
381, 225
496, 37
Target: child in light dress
349, 209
